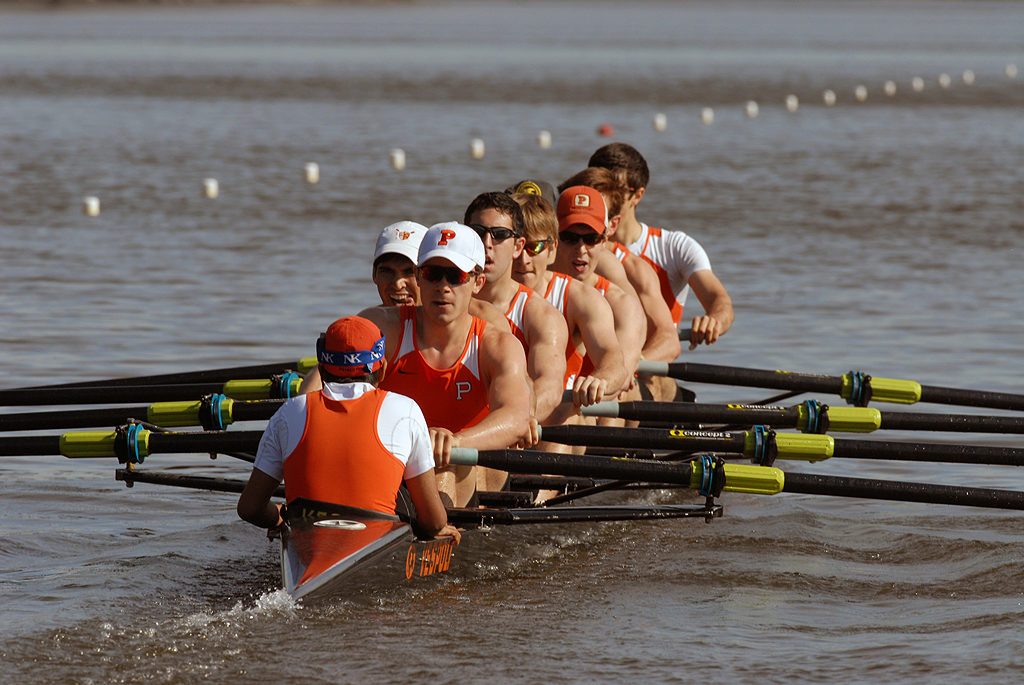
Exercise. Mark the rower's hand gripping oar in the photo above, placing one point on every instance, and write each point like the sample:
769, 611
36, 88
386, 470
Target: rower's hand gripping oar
855, 387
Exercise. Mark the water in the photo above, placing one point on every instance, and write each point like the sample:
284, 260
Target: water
884, 236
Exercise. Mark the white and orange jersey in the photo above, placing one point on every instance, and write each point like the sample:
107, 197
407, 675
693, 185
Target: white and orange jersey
516, 314
621, 252
675, 257
452, 398
557, 294
348, 444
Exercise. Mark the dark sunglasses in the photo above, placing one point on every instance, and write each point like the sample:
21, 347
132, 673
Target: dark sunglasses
499, 234
590, 239
452, 274
535, 247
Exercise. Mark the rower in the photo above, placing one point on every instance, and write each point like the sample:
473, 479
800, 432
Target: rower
394, 263
679, 260
467, 375
588, 316
582, 222
350, 444
498, 220
628, 271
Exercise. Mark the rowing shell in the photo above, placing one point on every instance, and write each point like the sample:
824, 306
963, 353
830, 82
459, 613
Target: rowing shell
334, 557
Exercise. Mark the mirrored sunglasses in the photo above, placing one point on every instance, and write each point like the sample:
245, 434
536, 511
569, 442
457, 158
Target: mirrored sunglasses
535, 247
452, 274
590, 239
499, 234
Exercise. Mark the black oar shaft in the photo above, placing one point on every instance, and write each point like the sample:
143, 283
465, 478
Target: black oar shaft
81, 418
207, 376
759, 378
650, 438
972, 398
838, 486
926, 451
955, 423
530, 461
103, 395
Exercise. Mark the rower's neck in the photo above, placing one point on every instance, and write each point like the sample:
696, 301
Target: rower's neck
441, 342
500, 292
629, 229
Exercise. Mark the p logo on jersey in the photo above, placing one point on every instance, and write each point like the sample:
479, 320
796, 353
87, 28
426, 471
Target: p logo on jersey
462, 388
446, 235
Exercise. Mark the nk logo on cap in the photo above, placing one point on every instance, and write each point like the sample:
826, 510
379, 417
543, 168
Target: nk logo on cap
581, 200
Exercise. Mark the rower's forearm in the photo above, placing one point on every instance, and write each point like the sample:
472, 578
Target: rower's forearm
499, 430
663, 347
549, 395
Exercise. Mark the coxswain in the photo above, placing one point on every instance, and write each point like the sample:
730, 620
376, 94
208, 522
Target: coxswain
350, 444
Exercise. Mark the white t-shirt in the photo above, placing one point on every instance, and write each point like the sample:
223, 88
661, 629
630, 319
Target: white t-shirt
676, 254
400, 426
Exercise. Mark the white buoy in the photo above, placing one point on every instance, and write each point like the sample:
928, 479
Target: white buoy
707, 115
792, 103
861, 93
752, 109
890, 88
210, 188
1011, 70
828, 97
397, 158
91, 205
945, 81
968, 77
544, 139
476, 148
917, 83
660, 122
312, 172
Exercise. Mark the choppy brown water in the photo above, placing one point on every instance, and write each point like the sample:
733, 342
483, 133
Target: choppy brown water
885, 236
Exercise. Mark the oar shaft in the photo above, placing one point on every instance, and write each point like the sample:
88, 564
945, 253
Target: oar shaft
927, 451
82, 418
206, 376
650, 438
838, 486
954, 423
972, 398
102, 395
757, 378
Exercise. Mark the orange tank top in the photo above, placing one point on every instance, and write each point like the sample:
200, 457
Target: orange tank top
340, 458
557, 295
452, 398
667, 293
517, 312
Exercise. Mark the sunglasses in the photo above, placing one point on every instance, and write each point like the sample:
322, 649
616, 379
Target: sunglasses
535, 247
589, 239
452, 274
499, 234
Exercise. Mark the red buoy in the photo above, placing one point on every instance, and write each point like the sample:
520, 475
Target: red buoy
606, 130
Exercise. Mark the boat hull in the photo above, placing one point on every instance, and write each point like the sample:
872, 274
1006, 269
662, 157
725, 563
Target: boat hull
335, 557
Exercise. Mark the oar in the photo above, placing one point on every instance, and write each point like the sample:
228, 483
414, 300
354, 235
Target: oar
855, 387
213, 412
206, 376
771, 481
131, 477
283, 386
765, 445
131, 444
810, 417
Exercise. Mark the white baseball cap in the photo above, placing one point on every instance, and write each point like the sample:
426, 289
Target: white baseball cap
456, 242
400, 238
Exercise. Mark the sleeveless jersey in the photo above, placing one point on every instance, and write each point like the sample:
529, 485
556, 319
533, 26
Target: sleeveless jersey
452, 398
621, 252
557, 295
675, 257
340, 458
516, 312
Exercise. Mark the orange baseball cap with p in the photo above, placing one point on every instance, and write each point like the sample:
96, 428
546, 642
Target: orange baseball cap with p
582, 205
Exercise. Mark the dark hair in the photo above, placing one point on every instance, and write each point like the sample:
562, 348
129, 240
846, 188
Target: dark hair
500, 201
626, 157
610, 183
328, 377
